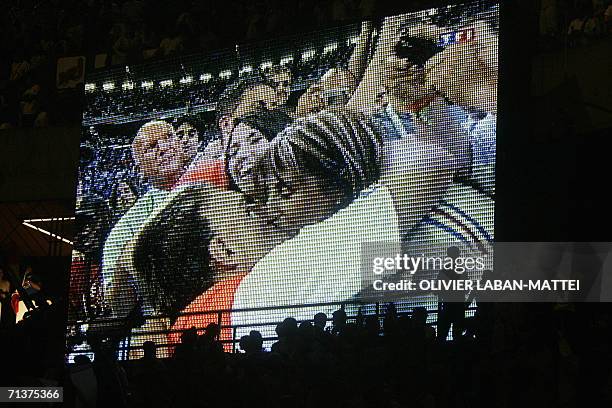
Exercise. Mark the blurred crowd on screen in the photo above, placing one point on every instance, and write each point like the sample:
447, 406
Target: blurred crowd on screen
126, 32
35, 35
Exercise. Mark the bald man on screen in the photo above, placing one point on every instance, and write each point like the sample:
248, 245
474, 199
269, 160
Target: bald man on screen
161, 158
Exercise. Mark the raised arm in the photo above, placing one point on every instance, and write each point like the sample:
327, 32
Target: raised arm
418, 183
377, 73
359, 59
466, 73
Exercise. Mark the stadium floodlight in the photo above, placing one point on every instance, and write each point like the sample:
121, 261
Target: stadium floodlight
165, 83
308, 55
266, 65
286, 60
246, 69
186, 80
108, 86
205, 77
127, 86
146, 84
225, 74
90, 87
330, 48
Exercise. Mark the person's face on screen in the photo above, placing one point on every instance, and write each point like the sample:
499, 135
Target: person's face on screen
246, 145
160, 154
405, 80
240, 238
189, 138
256, 97
295, 200
311, 101
282, 82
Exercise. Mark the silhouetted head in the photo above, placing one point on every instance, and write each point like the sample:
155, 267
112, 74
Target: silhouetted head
190, 336
150, 349
291, 326
419, 316
256, 340
305, 328
372, 325
339, 318
245, 343
320, 320
81, 359
212, 330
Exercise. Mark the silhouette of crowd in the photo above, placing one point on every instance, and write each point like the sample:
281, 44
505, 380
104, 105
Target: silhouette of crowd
574, 24
508, 355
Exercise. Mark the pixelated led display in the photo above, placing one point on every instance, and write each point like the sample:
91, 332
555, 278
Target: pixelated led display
243, 186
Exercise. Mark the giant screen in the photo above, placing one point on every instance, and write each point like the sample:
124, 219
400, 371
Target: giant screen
244, 186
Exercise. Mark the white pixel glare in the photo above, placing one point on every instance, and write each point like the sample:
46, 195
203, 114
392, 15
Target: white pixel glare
225, 74
127, 86
307, 55
205, 77
108, 86
146, 85
44, 231
186, 80
266, 65
165, 83
90, 87
286, 60
50, 219
330, 48
246, 69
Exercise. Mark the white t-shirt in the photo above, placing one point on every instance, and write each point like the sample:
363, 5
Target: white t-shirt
464, 218
321, 264
126, 229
